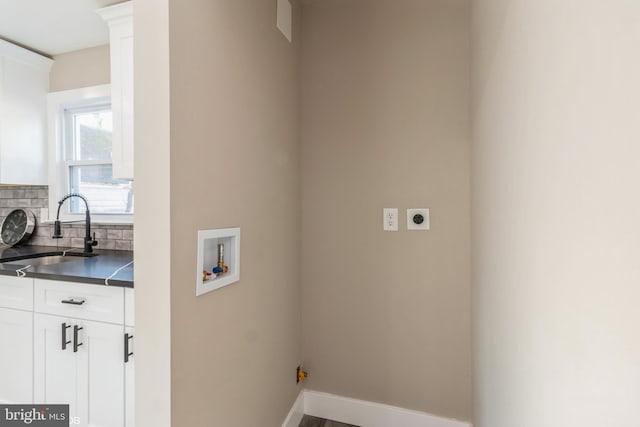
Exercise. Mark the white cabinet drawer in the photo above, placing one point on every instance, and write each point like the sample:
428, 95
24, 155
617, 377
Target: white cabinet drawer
129, 307
82, 301
16, 292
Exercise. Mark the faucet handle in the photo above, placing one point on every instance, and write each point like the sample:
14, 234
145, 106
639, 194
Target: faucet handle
57, 230
89, 243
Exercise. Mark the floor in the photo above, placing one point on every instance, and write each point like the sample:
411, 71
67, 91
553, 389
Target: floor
309, 421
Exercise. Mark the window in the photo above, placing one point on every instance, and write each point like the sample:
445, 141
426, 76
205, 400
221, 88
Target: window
87, 146
81, 160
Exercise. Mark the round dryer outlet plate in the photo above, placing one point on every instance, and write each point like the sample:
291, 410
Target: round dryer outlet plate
418, 219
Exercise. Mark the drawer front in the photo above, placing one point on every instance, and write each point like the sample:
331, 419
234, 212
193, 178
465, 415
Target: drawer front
79, 300
16, 292
129, 307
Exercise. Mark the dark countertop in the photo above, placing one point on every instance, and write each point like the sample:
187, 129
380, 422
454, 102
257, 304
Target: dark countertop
85, 270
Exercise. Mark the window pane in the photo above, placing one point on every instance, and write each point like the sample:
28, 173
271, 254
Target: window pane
92, 135
105, 194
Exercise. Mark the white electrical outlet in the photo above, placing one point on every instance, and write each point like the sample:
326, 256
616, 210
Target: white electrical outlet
390, 219
418, 219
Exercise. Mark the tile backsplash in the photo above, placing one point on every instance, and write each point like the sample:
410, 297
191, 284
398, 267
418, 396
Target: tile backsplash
118, 237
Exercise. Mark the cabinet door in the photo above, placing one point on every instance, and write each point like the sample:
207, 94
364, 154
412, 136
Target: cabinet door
57, 372
121, 42
24, 83
119, 17
16, 356
129, 378
88, 374
102, 361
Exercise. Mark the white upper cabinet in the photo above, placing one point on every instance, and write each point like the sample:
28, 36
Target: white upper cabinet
24, 83
119, 17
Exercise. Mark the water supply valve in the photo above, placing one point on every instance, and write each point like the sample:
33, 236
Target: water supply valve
300, 374
220, 268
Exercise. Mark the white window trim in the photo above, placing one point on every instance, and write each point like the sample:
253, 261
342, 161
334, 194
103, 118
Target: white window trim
57, 102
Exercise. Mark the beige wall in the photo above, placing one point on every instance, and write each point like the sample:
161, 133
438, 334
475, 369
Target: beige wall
385, 100
153, 207
555, 213
81, 68
234, 162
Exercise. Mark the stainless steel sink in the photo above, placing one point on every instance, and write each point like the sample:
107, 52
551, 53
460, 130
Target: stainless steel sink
45, 260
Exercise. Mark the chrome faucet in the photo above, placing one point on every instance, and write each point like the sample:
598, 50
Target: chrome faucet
89, 242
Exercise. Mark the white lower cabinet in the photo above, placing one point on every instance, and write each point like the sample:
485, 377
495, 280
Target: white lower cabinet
129, 366
129, 378
80, 362
67, 343
16, 356
16, 340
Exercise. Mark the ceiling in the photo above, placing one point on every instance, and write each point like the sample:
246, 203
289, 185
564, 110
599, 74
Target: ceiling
52, 27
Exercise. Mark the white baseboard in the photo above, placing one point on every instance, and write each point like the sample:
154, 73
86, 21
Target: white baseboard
362, 413
296, 413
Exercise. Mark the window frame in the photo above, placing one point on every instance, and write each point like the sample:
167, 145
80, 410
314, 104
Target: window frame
60, 104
